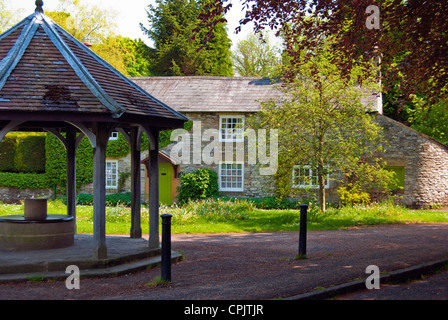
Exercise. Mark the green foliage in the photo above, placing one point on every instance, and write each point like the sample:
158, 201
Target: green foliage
350, 195
24, 180
7, 153
269, 203
431, 120
255, 57
112, 200
171, 28
363, 182
198, 185
321, 121
23, 152
210, 210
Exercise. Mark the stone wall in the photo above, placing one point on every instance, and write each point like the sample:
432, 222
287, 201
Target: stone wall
425, 162
11, 195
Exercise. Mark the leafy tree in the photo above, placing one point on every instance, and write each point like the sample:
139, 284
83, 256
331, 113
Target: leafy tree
130, 57
321, 122
85, 22
8, 16
255, 56
171, 28
414, 29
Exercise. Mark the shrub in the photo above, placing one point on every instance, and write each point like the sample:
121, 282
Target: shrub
351, 196
201, 184
24, 180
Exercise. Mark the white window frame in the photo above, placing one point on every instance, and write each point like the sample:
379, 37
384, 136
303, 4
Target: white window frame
113, 136
236, 136
310, 184
231, 189
115, 185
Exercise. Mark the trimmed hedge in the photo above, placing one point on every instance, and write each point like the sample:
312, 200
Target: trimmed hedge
24, 180
112, 200
23, 153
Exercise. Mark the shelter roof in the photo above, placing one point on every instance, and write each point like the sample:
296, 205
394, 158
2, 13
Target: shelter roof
44, 69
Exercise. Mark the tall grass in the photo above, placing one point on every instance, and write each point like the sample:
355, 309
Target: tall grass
235, 215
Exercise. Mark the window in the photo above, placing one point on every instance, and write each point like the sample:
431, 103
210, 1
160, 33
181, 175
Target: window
231, 128
398, 184
231, 177
306, 177
111, 174
113, 136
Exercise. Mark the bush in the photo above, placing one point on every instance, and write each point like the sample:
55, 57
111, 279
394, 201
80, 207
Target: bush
24, 180
112, 200
199, 185
23, 153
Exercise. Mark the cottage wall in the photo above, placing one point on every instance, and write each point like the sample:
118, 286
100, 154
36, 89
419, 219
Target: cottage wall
425, 163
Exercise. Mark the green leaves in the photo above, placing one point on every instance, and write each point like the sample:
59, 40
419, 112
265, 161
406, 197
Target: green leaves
171, 28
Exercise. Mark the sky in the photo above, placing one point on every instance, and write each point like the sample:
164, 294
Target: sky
132, 12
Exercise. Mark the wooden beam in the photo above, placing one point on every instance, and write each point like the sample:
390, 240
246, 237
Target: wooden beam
9, 127
154, 242
135, 142
101, 133
71, 173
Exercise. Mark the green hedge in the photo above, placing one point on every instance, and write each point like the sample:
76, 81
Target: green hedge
24, 180
23, 153
112, 200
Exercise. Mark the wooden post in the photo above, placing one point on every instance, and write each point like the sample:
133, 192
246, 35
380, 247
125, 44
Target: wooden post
99, 191
154, 242
71, 173
135, 139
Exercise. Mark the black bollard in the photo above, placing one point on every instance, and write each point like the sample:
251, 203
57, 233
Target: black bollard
303, 228
166, 247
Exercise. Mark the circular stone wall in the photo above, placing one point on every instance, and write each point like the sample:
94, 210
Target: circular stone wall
18, 234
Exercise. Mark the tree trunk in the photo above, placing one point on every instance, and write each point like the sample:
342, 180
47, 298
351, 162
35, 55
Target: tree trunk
321, 178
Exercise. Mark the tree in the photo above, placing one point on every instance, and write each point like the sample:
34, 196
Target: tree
131, 57
414, 30
321, 121
171, 28
8, 16
85, 22
256, 57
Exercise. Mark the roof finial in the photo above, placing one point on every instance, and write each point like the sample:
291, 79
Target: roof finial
39, 5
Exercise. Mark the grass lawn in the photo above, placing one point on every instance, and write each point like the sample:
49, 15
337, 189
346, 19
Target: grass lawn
225, 217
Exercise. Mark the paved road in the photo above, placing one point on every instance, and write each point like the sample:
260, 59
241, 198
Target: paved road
257, 266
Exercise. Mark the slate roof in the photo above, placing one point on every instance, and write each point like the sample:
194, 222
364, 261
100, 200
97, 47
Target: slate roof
210, 94
44, 69
221, 94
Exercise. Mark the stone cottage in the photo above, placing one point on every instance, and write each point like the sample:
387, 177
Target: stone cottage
223, 105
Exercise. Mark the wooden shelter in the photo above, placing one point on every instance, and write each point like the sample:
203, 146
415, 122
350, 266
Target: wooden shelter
49, 81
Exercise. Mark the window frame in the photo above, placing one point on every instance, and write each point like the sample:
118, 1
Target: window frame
112, 187
113, 136
310, 177
234, 139
220, 176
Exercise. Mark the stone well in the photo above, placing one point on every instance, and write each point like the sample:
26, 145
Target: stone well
36, 230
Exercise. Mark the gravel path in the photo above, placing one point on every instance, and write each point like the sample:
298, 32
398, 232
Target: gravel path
260, 265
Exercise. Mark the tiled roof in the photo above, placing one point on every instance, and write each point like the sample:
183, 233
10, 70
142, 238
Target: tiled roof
44, 69
221, 94
210, 94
